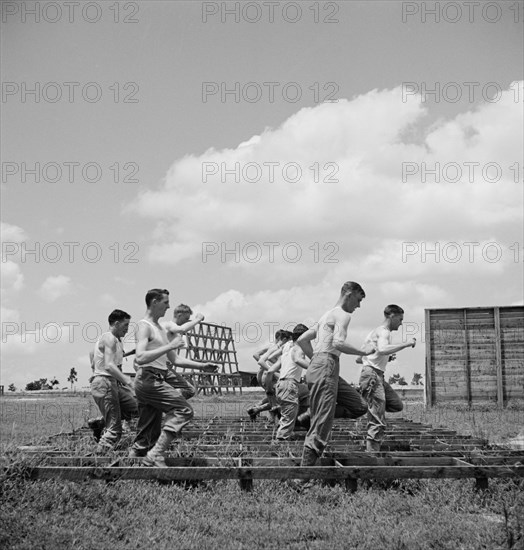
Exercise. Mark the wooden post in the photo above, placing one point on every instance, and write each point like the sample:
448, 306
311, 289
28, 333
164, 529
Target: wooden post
466, 357
429, 367
498, 355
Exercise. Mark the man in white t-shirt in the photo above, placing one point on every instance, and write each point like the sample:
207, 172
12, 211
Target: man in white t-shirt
326, 388
115, 402
380, 396
291, 364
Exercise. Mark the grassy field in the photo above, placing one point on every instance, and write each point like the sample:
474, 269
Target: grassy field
427, 514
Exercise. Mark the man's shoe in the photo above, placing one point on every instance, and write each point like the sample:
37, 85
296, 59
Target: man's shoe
154, 460
97, 425
134, 453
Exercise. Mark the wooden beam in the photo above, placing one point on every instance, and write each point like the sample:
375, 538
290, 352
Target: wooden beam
280, 473
429, 398
498, 355
466, 358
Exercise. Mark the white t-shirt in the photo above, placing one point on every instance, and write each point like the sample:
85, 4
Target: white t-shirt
375, 360
325, 335
289, 369
99, 360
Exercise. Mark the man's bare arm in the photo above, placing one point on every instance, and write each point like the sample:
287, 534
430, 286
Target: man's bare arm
304, 340
109, 344
299, 358
182, 329
385, 348
143, 356
340, 333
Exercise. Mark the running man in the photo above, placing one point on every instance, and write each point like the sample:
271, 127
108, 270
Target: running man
157, 389
110, 388
326, 388
289, 396
261, 356
378, 393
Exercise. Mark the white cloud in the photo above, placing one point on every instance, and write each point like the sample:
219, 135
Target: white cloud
55, 287
361, 139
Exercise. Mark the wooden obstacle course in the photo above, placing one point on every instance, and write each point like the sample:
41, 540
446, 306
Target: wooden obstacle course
238, 449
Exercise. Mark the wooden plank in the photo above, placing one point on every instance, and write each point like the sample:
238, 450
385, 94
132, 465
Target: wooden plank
242, 473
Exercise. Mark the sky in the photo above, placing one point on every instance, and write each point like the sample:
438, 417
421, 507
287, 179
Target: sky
251, 157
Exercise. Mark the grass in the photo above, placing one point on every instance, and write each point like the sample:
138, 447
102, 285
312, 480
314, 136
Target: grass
425, 514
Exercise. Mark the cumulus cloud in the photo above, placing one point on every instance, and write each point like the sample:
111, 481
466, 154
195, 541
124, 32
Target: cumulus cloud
385, 186
55, 287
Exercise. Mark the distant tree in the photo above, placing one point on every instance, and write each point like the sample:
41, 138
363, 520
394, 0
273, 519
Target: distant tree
54, 383
397, 379
417, 380
36, 385
73, 376
11, 387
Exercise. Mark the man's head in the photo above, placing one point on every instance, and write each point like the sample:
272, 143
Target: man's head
282, 336
182, 314
298, 331
394, 315
351, 295
157, 301
119, 322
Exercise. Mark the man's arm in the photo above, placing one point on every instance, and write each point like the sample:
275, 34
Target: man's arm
182, 329
276, 367
185, 363
258, 354
143, 356
271, 352
340, 333
304, 340
384, 347
110, 348
298, 357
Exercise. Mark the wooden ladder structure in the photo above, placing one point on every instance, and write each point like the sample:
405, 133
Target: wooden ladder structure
210, 343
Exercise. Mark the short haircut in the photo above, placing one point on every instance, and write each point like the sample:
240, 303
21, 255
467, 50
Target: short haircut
283, 335
392, 309
155, 294
182, 308
117, 315
351, 286
298, 331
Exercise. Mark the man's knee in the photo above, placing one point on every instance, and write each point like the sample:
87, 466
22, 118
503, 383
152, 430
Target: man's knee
395, 406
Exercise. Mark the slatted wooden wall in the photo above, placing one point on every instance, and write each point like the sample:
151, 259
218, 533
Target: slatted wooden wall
474, 354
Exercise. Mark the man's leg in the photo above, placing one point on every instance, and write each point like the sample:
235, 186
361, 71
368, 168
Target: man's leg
177, 381
322, 378
105, 393
148, 430
372, 386
304, 416
165, 398
350, 400
287, 398
128, 402
393, 402
150, 414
